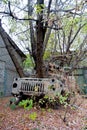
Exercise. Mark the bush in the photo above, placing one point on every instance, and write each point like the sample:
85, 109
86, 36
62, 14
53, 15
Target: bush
45, 101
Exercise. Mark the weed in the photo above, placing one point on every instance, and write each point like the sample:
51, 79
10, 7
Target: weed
12, 100
33, 116
27, 104
13, 106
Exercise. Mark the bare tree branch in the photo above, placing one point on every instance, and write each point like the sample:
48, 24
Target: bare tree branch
22, 32
71, 11
32, 37
15, 17
67, 49
49, 6
64, 40
59, 42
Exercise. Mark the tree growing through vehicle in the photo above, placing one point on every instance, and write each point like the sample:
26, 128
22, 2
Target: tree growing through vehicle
37, 20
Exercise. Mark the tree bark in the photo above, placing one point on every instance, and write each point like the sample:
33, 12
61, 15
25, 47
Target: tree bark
40, 41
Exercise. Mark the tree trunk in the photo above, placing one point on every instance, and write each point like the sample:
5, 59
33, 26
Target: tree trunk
39, 65
40, 41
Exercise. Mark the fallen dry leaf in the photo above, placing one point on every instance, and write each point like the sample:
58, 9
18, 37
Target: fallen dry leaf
76, 119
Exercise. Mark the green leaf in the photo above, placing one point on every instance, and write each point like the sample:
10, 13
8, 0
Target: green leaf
27, 104
33, 116
13, 106
39, 8
46, 97
5, 1
28, 63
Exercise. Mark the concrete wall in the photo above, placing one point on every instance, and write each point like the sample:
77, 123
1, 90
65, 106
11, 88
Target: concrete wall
7, 70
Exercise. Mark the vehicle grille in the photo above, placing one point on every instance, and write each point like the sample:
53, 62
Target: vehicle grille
32, 87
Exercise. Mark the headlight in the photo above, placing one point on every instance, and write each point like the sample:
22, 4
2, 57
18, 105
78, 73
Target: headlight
53, 80
14, 85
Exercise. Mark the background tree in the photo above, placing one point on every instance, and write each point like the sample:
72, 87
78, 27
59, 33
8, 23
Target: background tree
61, 23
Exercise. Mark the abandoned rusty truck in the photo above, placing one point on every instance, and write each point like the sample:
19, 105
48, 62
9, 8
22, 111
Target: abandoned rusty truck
26, 87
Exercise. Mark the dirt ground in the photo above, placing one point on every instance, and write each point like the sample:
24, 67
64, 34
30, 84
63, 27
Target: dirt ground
19, 119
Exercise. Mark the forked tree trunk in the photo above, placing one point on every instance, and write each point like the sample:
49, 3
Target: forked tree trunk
39, 43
